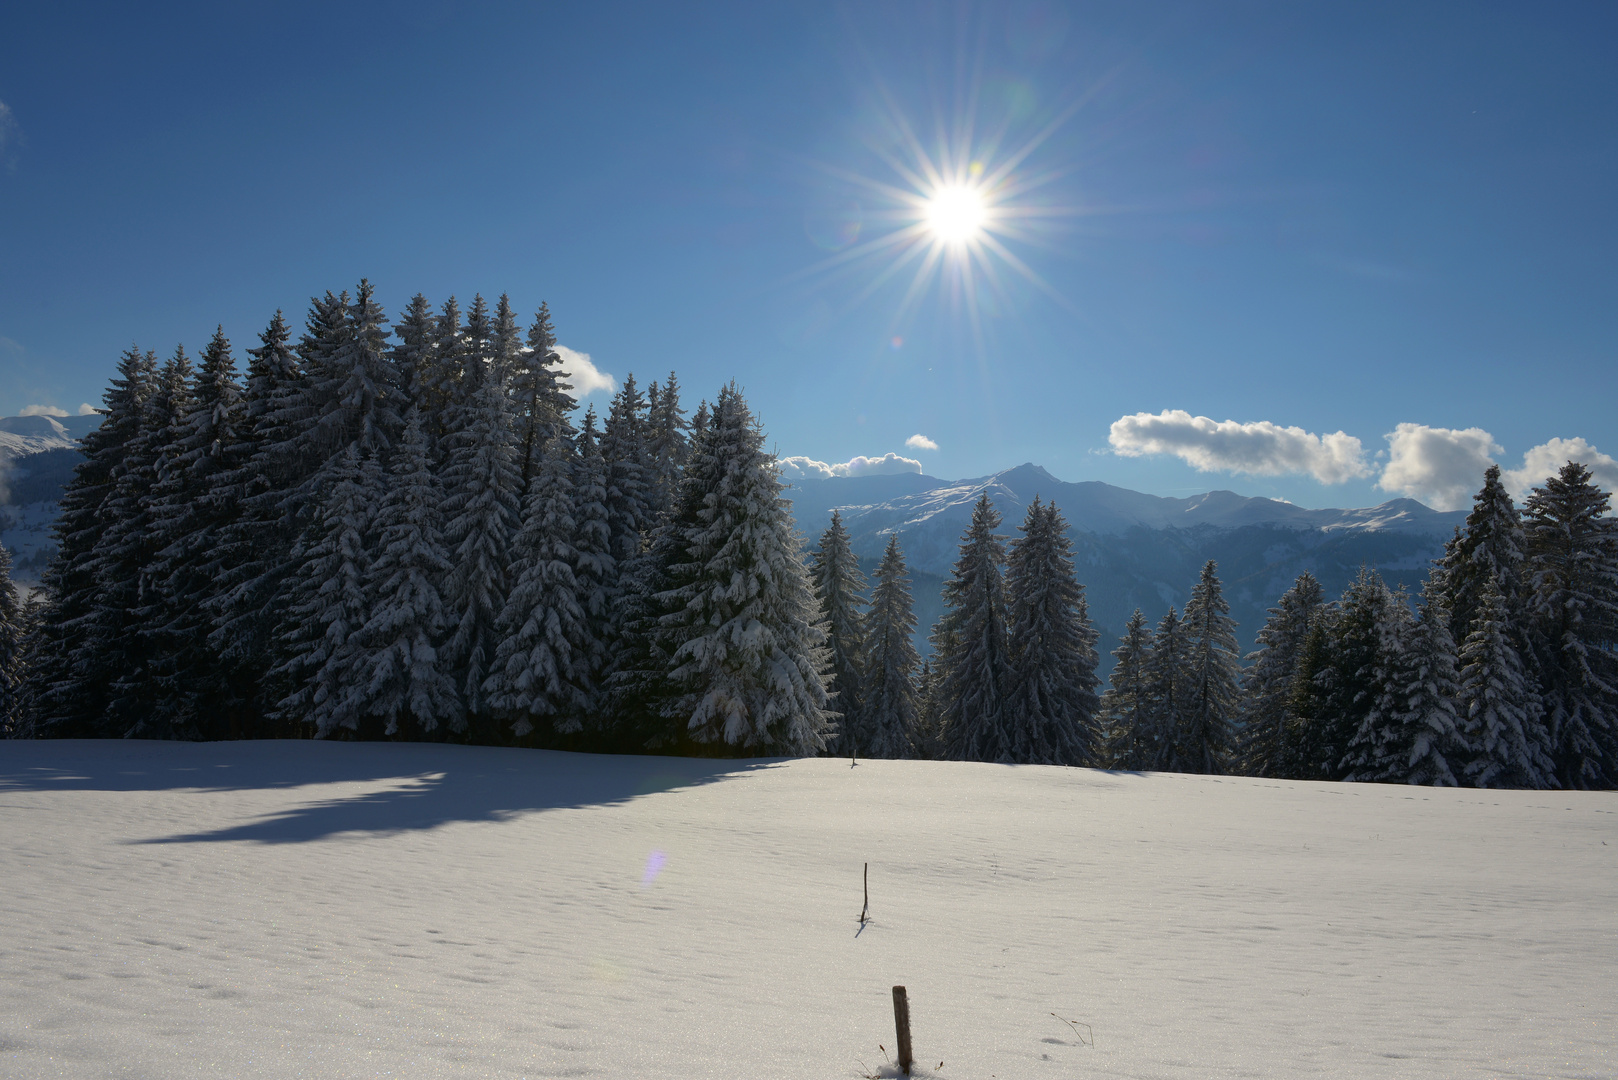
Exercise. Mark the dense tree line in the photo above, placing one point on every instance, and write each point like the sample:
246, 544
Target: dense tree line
1504, 675
407, 536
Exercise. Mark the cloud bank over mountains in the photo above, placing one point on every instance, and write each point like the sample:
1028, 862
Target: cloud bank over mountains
807, 468
1442, 467
1258, 449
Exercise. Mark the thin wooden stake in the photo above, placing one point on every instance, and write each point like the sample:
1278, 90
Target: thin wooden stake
865, 912
901, 1022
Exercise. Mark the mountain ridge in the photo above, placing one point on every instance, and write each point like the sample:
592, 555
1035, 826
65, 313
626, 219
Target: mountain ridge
1131, 550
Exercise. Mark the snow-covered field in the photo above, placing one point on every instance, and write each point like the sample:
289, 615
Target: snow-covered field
340, 910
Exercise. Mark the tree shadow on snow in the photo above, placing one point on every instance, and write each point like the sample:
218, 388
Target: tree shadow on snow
432, 784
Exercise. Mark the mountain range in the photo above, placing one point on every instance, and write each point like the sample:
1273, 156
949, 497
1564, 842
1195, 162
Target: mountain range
1132, 549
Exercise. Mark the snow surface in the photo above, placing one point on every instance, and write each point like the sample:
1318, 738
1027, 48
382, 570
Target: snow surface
358, 910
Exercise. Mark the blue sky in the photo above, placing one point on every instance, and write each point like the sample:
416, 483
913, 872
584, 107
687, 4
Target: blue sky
1232, 220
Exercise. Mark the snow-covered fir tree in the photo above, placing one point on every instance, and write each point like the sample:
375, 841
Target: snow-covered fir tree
1572, 568
1500, 708
667, 442
1426, 746
1353, 698
1206, 735
543, 672
623, 446
1268, 681
505, 344
1052, 701
928, 738
891, 706
1126, 708
254, 545
438, 384
736, 618
1374, 747
129, 601
328, 602
1167, 677
975, 674
68, 689
191, 508
1310, 748
594, 569
840, 587
482, 513
14, 643
401, 678
1490, 548
539, 394
412, 354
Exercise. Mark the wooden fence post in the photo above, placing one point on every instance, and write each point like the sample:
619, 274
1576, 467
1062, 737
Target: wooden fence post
901, 1022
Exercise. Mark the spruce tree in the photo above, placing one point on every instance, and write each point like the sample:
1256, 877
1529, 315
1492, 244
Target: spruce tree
1126, 708
1490, 548
412, 357
1351, 697
1573, 584
253, 549
540, 394
891, 707
14, 634
192, 506
1310, 748
745, 668
1205, 740
667, 442
594, 568
1375, 747
1500, 708
1052, 702
543, 672
928, 738
623, 445
482, 513
1427, 747
976, 673
438, 384
328, 602
128, 602
1268, 681
69, 692
1167, 678
401, 677
839, 586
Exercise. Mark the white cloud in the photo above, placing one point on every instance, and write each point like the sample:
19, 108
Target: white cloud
583, 375
1547, 459
87, 409
1442, 467
806, 468
920, 442
42, 410
1259, 448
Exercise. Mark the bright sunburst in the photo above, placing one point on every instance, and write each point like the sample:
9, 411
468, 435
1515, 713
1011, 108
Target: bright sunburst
946, 214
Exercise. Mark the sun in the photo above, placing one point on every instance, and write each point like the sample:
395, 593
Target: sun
957, 214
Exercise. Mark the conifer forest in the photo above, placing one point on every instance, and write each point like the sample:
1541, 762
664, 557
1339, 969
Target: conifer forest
413, 534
